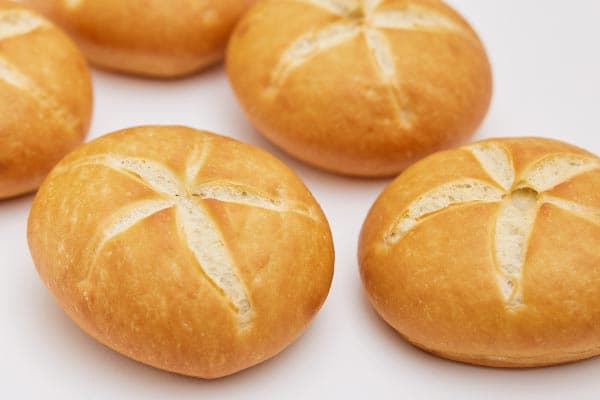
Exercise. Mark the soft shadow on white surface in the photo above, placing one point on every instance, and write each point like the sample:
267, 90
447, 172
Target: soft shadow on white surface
72, 351
479, 382
123, 101
66, 363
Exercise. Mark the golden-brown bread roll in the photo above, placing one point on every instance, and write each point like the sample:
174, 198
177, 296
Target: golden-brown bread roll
45, 98
360, 87
490, 254
148, 37
184, 250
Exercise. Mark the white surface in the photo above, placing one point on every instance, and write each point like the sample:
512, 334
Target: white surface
546, 62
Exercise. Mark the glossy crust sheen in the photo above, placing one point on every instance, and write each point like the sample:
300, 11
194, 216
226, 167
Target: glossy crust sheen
142, 290
154, 38
45, 98
438, 284
364, 104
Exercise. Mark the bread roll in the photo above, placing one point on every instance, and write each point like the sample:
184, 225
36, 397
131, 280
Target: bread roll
360, 87
45, 98
154, 38
181, 249
490, 254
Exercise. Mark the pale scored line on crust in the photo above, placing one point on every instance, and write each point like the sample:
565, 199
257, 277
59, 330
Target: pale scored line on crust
196, 226
240, 194
119, 222
553, 170
588, 213
337, 7
147, 172
515, 221
18, 22
369, 6
440, 198
363, 18
196, 161
496, 162
418, 18
383, 58
519, 202
13, 76
315, 42
309, 45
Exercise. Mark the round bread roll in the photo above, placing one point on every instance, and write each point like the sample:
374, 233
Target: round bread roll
490, 254
45, 98
153, 38
360, 87
181, 249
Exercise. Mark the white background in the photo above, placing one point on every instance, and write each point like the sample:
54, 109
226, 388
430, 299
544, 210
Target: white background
546, 59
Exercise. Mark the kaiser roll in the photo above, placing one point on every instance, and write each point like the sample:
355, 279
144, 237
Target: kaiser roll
490, 254
45, 98
360, 87
148, 37
181, 249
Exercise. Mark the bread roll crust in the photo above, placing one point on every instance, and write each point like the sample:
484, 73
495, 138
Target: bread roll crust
360, 87
45, 98
181, 249
488, 254
152, 38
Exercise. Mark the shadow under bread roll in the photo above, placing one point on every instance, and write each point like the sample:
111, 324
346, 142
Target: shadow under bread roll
154, 38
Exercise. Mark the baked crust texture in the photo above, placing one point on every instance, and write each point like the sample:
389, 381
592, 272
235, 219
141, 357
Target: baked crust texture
490, 254
154, 38
45, 98
360, 87
184, 250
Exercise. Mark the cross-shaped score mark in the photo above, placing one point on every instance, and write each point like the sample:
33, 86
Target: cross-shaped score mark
353, 18
519, 199
18, 22
201, 232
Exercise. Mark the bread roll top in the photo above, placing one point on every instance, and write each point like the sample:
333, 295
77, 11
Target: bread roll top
151, 37
489, 253
360, 87
182, 249
45, 98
